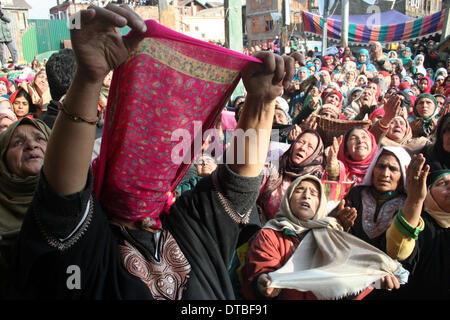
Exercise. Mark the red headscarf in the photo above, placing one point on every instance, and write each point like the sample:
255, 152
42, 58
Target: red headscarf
6, 83
376, 113
428, 89
404, 85
336, 92
357, 168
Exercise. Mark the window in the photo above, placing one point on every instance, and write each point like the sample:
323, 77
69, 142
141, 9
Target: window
268, 23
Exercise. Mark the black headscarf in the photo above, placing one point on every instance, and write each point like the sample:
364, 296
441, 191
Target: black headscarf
406, 103
439, 159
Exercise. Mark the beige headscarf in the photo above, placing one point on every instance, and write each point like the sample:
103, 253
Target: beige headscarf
410, 143
16, 193
328, 262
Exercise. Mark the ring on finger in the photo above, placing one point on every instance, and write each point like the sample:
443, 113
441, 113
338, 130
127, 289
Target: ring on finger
416, 177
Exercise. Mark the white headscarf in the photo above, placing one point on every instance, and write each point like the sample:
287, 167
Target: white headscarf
419, 67
328, 262
402, 156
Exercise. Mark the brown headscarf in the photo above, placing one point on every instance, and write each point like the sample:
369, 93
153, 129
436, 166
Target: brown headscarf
16, 193
313, 165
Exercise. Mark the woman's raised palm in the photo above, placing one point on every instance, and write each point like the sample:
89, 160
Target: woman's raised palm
99, 46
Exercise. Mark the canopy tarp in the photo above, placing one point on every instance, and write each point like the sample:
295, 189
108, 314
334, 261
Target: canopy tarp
388, 17
366, 33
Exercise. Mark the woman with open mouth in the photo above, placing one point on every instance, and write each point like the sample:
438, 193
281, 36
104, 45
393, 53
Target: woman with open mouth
304, 156
393, 129
22, 149
351, 155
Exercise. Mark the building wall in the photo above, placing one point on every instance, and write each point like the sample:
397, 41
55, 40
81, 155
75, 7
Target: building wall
263, 21
18, 26
204, 28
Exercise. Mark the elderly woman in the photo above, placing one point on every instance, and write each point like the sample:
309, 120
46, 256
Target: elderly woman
351, 155
393, 128
376, 200
362, 107
423, 122
22, 147
119, 257
303, 209
304, 156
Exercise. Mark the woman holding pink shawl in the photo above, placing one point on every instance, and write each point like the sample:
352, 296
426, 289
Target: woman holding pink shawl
81, 244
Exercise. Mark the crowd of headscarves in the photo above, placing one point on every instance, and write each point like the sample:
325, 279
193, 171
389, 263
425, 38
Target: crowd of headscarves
395, 106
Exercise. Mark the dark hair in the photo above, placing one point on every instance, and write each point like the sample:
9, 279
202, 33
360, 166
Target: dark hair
24, 94
60, 70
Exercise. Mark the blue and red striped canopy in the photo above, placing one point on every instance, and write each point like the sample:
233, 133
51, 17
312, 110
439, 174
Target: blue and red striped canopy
362, 33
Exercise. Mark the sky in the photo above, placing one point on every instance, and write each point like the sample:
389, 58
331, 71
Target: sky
40, 8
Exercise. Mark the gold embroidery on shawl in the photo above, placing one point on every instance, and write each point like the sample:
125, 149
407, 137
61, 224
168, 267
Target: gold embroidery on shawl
184, 64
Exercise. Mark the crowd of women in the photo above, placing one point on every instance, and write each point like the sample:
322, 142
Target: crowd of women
393, 172
396, 106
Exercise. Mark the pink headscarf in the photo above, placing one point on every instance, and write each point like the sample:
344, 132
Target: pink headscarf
428, 89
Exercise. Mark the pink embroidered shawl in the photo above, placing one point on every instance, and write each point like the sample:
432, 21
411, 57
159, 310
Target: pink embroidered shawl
167, 83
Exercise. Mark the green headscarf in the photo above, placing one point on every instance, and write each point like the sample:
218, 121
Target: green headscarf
407, 59
426, 122
16, 193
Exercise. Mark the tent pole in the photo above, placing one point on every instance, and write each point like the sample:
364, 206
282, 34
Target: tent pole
325, 28
345, 8
446, 26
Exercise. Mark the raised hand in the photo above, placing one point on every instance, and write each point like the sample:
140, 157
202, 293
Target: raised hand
416, 127
309, 123
334, 150
98, 45
416, 177
265, 81
416, 185
263, 283
392, 108
294, 133
346, 215
299, 57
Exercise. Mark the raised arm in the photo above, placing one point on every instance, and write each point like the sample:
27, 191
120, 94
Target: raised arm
98, 48
263, 82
